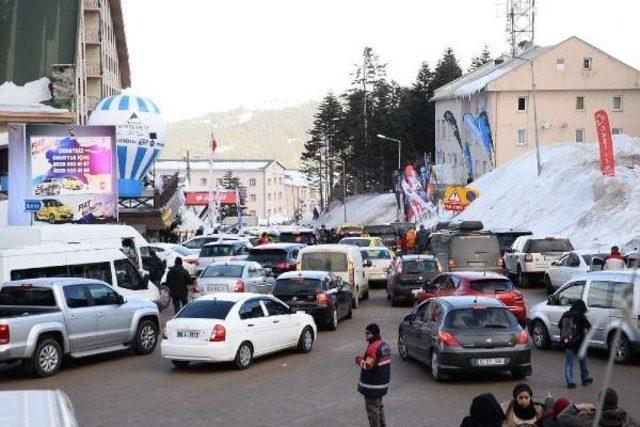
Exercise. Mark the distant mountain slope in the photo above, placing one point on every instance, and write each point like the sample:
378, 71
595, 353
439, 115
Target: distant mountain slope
261, 134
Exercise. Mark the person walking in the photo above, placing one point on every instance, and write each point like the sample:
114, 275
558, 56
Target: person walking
615, 261
374, 375
573, 327
423, 236
178, 281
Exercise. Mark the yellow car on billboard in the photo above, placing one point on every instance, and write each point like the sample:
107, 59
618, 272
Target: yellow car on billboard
54, 211
71, 183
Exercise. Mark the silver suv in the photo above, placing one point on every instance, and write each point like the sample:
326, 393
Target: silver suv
605, 293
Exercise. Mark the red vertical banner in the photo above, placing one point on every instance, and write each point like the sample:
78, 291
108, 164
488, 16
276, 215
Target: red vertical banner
605, 142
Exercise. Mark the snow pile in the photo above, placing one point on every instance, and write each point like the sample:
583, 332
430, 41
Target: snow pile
4, 214
362, 209
477, 85
570, 198
26, 97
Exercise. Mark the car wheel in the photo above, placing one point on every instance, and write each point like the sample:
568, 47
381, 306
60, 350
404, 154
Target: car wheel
523, 281
623, 350
180, 364
388, 296
332, 324
355, 301
366, 294
244, 356
520, 373
435, 367
146, 337
540, 335
47, 358
305, 342
165, 296
350, 312
402, 347
52, 219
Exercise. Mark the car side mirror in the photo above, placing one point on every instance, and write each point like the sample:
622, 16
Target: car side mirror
121, 299
596, 264
410, 317
368, 263
554, 263
293, 310
552, 300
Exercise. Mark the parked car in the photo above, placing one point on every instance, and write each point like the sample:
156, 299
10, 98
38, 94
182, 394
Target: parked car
276, 258
170, 251
221, 252
304, 236
464, 246
234, 276
472, 283
605, 294
386, 232
507, 237
381, 259
43, 320
342, 260
48, 186
531, 256
71, 183
235, 327
197, 243
363, 242
349, 230
54, 211
324, 296
569, 265
463, 335
36, 408
408, 274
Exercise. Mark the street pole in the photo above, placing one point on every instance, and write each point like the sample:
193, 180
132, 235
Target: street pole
535, 118
344, 189
399, 151
211, 215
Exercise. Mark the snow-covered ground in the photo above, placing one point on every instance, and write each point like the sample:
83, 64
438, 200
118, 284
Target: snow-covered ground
362, 209
4, 205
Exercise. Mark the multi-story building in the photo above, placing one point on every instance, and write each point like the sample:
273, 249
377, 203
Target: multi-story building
268, 193
572, 80
300, 198
79, 45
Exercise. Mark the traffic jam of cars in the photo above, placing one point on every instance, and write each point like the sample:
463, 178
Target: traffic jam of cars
250, 296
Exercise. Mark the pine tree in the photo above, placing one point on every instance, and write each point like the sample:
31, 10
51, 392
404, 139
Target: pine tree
483, 58
231, 182
447, 69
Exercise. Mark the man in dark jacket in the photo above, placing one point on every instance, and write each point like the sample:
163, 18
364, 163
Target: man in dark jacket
423, 236
178, 281
573, 328
374, 375
583, 414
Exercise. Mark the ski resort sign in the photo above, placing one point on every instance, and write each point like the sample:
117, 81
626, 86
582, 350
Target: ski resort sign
457, 198
604, 141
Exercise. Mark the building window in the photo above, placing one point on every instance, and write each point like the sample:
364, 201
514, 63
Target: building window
579, 103
219, 181
617, 103
252, 197
252, 182
280, 180
269, 212
269, 196
579, 135
522, 137
560, 64
586, 63
616, 131
522, 103
252, 213
279, 210
280, 195
269, 181
203, 182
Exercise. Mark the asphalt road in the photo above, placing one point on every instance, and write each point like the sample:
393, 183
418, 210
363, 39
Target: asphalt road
315, 389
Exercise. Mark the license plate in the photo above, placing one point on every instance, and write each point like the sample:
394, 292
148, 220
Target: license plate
217, 288
188, 334
489, 362
476, 264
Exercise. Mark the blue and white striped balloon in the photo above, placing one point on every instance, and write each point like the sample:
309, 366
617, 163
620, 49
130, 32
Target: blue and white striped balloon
135, 118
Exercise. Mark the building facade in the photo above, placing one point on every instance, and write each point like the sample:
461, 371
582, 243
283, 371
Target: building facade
572, 81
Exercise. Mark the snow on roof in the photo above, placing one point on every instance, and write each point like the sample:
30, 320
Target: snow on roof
26, 98
476, 81
296, 178
218, 165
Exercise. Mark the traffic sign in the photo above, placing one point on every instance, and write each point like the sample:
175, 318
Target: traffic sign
31, 205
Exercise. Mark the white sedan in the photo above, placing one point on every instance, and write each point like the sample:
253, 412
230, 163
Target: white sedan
169, 252
381, 259
569, 265
235, 327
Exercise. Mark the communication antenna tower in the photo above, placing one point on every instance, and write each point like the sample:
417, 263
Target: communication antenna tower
520, 20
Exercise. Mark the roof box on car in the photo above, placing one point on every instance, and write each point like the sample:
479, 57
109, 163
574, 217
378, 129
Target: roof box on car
467, 225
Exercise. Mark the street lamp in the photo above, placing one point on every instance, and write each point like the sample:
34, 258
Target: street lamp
394, 140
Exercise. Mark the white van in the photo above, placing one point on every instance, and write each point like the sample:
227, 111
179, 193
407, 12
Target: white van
35, 408
123, 237
79, 260
345, 261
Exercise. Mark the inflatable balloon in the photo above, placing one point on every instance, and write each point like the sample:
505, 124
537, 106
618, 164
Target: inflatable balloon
140, 134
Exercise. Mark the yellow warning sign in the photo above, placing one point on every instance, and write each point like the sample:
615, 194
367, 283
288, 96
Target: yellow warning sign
457, 197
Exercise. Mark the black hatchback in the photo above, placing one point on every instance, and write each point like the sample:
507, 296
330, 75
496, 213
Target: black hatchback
276, 257
465, 335
408, 274
321, 294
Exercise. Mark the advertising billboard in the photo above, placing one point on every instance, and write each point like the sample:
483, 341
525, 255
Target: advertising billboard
70, 170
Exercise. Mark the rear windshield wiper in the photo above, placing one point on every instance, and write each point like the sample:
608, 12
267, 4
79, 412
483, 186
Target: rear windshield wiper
496, 325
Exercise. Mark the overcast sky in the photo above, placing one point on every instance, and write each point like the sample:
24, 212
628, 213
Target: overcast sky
198, 56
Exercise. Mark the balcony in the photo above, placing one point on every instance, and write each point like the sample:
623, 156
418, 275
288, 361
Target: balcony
92, 5
92, 69
91, 36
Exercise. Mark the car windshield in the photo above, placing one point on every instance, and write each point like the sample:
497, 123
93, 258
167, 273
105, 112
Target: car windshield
361, 243
468, 244
480, 318
491, 285
324, 261
224, 270
267, 255
376, 254
182, 250
217, 250
57, 203
27, 295
588, 257
379, 230
418, 266
296, 285
549, 245
206, 309
302, 237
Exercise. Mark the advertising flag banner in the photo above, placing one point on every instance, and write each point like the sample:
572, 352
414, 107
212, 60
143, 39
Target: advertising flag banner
201, 198
71, 170
457, 198
605, 142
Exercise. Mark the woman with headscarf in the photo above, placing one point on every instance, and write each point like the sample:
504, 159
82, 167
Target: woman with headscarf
522, 411
485, 411
573, 327
552, 408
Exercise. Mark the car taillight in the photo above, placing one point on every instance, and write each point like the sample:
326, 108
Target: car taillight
191, 261
323, 299
5, 334
164, 334
352, 273
447, 339
298, 266
528, 257
399, 268
219, 333
523, 338
452, 263
517, 295
239, 286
